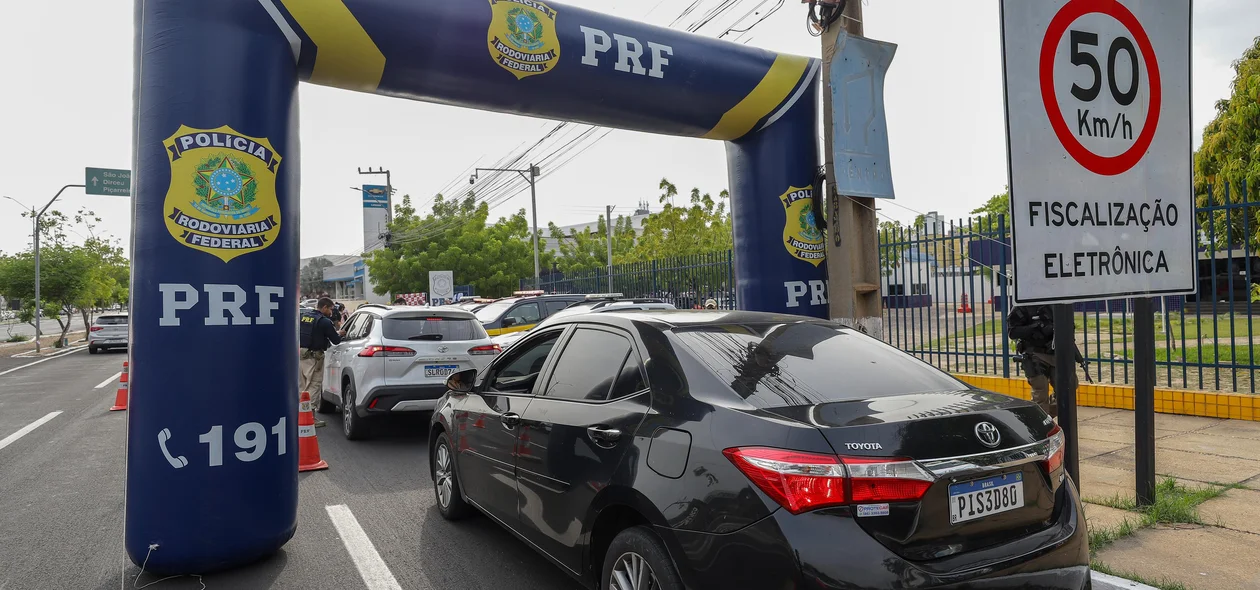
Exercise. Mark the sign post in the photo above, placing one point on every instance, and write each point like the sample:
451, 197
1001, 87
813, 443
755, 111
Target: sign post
1098, 139
109, 182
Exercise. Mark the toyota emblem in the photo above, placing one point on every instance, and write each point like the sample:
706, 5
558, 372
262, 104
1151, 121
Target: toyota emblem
988, 434
444, 349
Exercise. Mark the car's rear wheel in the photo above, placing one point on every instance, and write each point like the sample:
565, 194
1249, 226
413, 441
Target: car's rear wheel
637, 560
446, 488
354, 427
92, 349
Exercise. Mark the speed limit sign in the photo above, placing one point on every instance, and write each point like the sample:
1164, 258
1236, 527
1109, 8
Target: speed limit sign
1098, 136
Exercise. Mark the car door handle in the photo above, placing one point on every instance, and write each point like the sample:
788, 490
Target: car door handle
510, 420
603, 434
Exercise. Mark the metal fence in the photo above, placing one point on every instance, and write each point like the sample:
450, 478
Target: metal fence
685, 281
946, 294
946, 298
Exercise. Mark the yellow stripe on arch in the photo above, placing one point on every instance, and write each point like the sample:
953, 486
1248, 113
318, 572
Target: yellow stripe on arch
346, 57
773, 89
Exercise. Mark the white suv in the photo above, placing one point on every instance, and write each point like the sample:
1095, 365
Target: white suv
397, 359
108, 331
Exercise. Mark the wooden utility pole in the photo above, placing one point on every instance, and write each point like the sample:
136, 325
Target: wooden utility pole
853, 273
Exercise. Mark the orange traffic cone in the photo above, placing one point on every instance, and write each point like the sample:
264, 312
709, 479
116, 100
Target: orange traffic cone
308, 445
120, 400
965, 306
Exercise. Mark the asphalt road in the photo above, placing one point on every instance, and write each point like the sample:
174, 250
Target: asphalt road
47, 327
61, 502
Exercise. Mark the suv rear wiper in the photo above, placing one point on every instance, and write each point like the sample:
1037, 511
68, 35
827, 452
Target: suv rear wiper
426, 337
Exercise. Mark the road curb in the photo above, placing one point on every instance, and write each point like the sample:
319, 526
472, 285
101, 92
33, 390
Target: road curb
1108, 582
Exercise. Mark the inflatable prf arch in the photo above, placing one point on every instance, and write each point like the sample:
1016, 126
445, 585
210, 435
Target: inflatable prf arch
212, 433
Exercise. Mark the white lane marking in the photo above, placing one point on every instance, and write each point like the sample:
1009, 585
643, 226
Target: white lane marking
371, 567
108, 381
12, 438
3, 373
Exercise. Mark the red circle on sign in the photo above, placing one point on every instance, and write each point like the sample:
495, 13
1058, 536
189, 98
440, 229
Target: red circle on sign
1107, 166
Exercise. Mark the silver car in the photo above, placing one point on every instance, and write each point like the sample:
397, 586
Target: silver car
108, 331
396, 359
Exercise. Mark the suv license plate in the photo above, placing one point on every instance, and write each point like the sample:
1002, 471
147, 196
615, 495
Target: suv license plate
981, 497
439, 370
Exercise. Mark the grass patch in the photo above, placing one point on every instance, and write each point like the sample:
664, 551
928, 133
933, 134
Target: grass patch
18, 338
1208, 354
1162, 584
1174, 504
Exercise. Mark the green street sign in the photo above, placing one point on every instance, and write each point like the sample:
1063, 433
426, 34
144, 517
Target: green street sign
107, 181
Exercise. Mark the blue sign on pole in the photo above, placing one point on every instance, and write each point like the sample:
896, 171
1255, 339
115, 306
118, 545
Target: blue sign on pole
859, 124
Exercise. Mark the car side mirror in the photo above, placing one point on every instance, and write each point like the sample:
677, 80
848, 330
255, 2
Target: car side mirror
462, 382
509, 322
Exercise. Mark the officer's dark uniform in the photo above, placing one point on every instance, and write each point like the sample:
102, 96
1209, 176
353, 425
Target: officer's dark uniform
1032, 327
316, 335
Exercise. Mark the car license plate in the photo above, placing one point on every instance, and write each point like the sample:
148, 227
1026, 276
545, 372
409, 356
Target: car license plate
981, 497
439, 370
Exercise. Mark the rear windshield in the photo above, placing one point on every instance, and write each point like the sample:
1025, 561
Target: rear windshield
432, 328
776, 365
111, 320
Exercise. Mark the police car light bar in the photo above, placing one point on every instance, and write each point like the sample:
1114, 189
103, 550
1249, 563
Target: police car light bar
594, 296
528, 293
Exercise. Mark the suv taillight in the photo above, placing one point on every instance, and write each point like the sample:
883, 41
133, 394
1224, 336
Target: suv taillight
376, 350
1054, 456
801, 482
97, 328
487, 349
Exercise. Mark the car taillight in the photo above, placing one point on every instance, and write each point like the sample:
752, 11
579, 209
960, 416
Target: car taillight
886, 480
801, 482
383, 351
96, 328
1054, 454
488, 349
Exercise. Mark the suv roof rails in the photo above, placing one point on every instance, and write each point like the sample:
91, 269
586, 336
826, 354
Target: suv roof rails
377, 305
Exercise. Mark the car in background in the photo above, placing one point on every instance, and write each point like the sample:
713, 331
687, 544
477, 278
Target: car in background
309, 303
522, 311
108, 331
676, 448
597, 304
396, 359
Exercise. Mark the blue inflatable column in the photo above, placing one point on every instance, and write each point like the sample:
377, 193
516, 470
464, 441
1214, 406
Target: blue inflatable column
779, 249
212, 421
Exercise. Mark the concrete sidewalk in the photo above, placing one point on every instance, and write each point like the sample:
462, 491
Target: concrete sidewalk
1216, 463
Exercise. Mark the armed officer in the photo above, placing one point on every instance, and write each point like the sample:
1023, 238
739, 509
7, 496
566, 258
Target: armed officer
316, 335
1032, 327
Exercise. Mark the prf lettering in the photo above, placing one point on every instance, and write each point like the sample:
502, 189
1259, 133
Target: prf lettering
223, 304
629, 53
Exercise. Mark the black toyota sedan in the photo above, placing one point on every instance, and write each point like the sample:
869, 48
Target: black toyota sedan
714, 449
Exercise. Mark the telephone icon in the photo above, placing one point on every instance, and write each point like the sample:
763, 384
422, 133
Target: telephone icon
175, 461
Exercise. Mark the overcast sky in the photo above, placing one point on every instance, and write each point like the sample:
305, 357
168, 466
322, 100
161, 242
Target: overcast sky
67, 104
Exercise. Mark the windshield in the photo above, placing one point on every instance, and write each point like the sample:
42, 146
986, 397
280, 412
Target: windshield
432, 328
776, 365
492, 312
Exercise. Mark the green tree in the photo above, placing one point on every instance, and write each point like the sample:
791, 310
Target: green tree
987, 214
701, 226
455, 236
73, 277
311, 277
1230, 155
587, 250
893, 242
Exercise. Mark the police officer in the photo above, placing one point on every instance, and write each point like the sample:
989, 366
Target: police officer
1032, 328
316, 335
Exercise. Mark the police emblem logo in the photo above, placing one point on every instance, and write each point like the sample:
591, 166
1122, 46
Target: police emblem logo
222, 196
523, 37
801, 236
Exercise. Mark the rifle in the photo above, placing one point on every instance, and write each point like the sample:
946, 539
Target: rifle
1084, 365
